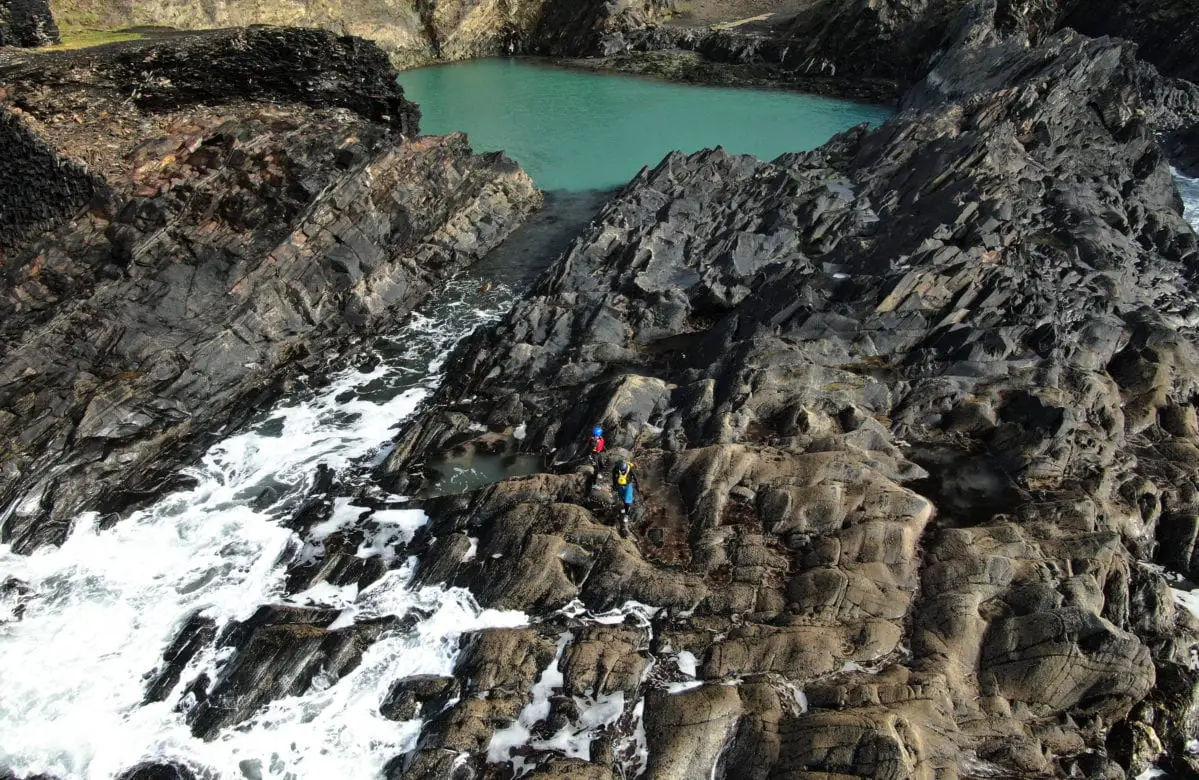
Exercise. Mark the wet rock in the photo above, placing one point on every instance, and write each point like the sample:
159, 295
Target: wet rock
14, 594
506, 659
1183, 147
280, 651
154, 771
6, 774
197, 632
497, 670
420, 695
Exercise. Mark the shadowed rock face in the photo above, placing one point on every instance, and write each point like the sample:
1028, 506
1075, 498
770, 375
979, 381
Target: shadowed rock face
27, 23
908, 413
1164, 30
213, 248
858, 48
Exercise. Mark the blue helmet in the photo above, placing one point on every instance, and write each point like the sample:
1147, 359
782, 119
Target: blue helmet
597, 431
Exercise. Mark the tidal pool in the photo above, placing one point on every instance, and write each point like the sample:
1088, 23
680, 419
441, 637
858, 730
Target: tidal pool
578, 130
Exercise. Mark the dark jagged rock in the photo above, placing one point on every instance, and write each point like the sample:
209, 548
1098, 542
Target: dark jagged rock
878, 49
907, 411
6, 774
1167, 31
281, 650
1184, 150
232, 248
197, 632
572, 28
154, 771
840, 46
311, 67
39, 189
27, 23
13, 596
423, 695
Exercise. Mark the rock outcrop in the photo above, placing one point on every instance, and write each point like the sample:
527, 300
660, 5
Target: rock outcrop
1167, 31
27, 23
910, 413
411, 33
185, 248
877, 49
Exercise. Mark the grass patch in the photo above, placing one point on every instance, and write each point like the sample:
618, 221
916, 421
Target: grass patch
85, 39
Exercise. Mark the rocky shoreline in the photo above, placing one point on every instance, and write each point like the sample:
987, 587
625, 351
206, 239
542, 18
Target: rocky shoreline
912, 417
914, 413
221, 226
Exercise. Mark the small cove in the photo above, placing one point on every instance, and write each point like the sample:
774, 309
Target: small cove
579, 130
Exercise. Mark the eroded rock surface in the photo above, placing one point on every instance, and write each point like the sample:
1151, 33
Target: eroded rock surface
190, 248
910, 413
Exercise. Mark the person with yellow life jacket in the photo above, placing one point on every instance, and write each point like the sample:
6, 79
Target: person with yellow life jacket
624, 481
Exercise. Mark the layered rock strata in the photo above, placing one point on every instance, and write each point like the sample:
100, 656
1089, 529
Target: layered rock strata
205, 220
911, 413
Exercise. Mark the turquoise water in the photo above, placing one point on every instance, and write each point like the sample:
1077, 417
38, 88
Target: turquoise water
576, 130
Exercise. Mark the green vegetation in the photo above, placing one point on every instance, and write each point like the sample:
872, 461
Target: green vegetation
85, 39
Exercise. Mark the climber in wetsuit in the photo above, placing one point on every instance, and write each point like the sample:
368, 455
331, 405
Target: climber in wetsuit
624, 481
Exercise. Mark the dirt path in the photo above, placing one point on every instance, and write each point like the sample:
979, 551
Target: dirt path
742, 13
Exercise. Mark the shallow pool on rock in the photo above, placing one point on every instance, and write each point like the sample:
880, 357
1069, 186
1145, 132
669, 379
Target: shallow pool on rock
578, 130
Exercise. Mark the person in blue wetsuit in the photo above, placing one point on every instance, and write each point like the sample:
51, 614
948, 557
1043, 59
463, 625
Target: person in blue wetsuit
624, 481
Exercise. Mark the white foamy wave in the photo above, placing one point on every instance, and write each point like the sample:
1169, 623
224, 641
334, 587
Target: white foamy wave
89, 620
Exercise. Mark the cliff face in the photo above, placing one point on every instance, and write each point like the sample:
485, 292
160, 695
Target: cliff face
412, 33
1166, 30
885, 46
189, 224
27, 23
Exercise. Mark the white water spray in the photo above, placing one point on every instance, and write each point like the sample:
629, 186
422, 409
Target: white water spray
1190, 198
101, 608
